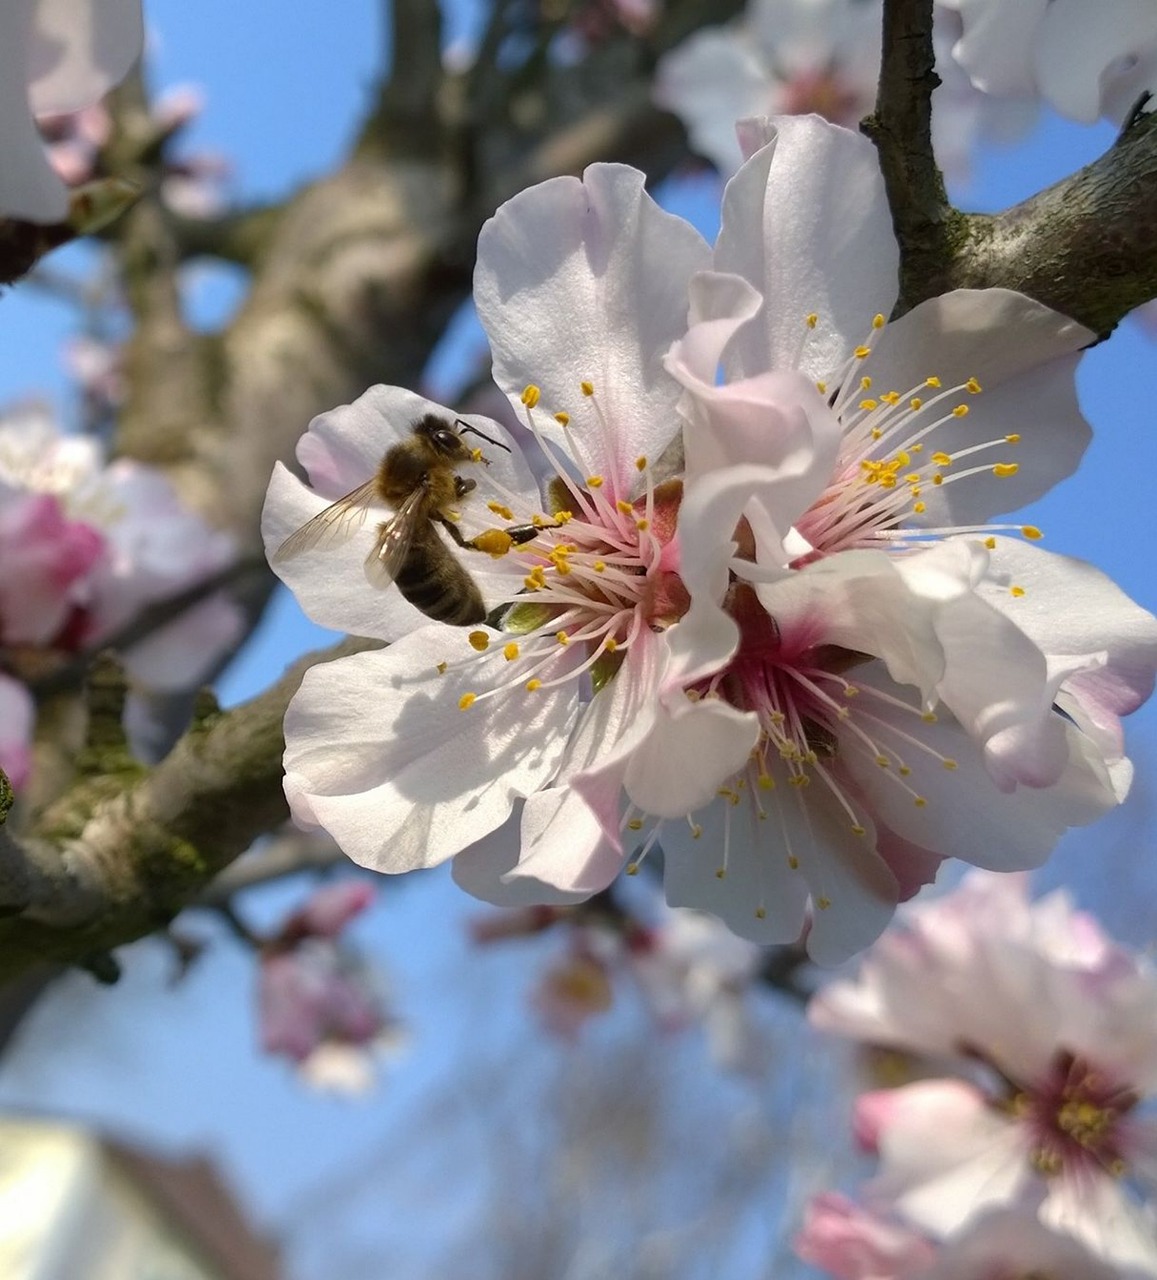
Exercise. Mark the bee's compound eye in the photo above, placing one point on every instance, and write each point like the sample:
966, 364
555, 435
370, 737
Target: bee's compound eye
448, 441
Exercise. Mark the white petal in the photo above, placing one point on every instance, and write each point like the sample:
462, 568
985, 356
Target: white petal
806, 222
379, 753
483, 869
1028, 389
997, 46
80, 49
1082, 48
587, 281
712, 80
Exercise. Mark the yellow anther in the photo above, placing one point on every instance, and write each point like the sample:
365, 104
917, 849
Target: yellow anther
793, 861
942, 459
857, 830
562, 418
961, 411
495, 542
878, 321
932, 382
876, 433
1014, 438
929, 717
636, 824
761, 913
561, 517
466, 701
950, 764
1031, 532
533, 685
990, 543
510, 651
851, 690
822, 388
632, 868
588, 388
475, 456
938, 478
919, 801
812, 320
919, 508
766, 782
822, 903
479, 640
531, 583
869, 405
891, 397
643, 525
1005, 469
599, 566
1016, 592
862, 353
640, 463
531, 395
866, 382
624, 506
904, 771
973, 387
594, 482
442, 668
721, 873
696, 831
562, 637
883, 761
915, 404
610, 644
500, 509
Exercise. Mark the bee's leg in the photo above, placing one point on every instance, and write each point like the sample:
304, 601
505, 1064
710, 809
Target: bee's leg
520, 533
452, 529
463, 487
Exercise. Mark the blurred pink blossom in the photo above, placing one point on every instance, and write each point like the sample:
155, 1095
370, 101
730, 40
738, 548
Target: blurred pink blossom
16, 718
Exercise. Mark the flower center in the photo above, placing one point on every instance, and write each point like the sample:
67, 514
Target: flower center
1075, 1118
898, 448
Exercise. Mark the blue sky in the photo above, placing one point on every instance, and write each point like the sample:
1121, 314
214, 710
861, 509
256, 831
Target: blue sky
178, 1067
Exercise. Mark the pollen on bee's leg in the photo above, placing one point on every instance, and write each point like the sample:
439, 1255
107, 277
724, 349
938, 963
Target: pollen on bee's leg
494, 542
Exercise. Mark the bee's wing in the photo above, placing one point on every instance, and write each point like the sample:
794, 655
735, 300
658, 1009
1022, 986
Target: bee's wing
333, 526
395, 537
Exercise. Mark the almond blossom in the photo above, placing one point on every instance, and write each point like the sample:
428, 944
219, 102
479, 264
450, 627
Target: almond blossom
56, 56
810, 669
794, 57
1085, 60
86, 547
1051, 1026
321, 1005
850, 1242
17, 714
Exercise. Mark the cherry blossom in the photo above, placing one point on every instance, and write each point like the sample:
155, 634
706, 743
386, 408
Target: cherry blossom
1086, 61
1053, 1026
56, 56
87, 546
795, 57
321, 1004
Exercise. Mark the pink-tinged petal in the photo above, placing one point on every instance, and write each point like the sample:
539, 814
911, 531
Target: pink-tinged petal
806, 222
489, 869
44, 560
956, 810
852, 1243
586, 281
1081, 49
1014, 1242
871, 1116
379, 753
17, 715
710, 81
975, 1161
1100, 1213
1028, 389
80, 49
1098, 617
341, 451
997, 44
333, 906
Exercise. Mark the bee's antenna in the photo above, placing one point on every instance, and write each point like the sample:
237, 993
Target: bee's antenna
459, 422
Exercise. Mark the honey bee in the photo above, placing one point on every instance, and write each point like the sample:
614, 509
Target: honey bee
417, 479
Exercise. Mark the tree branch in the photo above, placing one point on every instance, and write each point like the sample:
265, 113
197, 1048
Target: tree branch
124, 850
